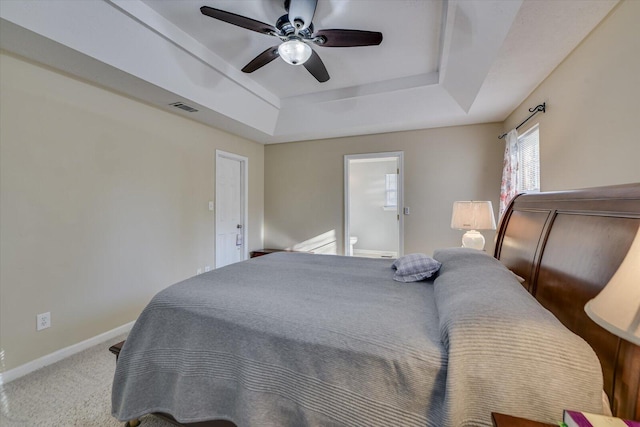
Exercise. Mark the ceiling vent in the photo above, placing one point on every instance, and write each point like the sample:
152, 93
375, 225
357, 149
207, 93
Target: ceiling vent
184, 107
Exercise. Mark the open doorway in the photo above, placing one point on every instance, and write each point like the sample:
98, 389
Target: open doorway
373, 205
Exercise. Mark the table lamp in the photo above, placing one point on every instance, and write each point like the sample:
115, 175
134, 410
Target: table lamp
473, 216
617, 307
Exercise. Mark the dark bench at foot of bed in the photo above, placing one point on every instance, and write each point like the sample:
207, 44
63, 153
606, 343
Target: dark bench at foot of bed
115, 349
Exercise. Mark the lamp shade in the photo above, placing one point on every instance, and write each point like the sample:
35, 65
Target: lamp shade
473, 216
617, 307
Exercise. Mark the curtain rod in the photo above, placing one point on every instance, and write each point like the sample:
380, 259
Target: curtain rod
535, 110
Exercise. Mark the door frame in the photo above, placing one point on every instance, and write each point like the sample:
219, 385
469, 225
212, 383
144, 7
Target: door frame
347, 226
244, 191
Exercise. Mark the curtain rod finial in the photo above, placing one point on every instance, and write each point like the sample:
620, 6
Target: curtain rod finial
535, 110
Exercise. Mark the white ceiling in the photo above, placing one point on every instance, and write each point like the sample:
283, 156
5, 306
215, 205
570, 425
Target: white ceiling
441, 63
347, 66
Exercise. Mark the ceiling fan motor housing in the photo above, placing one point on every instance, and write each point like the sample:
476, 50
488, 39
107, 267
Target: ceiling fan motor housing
287, 29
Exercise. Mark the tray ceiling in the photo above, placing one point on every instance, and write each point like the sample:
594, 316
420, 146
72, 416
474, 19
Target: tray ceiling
441, 63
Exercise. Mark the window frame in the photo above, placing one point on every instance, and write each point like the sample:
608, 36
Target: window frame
390, 204
529, 157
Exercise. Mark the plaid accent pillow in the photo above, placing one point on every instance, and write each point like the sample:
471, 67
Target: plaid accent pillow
414, 267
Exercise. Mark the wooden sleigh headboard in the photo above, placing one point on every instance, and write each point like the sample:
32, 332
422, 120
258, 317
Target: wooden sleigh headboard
567, 245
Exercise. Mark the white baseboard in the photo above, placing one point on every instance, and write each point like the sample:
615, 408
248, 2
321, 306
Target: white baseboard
368, 253
56, 356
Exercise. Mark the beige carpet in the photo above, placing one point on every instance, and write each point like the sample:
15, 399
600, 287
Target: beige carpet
73, 392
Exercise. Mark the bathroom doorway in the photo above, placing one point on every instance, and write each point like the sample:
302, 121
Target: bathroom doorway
374, 205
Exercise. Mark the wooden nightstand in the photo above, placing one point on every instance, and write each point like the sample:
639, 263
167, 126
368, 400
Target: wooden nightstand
261, 252
502, 420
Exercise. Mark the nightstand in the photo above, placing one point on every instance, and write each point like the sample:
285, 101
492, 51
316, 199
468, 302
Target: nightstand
502, 420
261, 252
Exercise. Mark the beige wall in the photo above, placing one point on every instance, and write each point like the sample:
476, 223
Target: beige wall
304, 188
589, 134
103, 203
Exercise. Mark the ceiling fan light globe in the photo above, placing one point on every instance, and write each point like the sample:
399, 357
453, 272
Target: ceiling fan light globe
294, 52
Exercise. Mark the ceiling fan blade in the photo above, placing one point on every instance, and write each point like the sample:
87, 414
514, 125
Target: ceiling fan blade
261, 60
348, 38
316, 67
302, 11
239, 20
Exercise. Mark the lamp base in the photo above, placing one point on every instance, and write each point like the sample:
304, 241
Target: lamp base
473, 239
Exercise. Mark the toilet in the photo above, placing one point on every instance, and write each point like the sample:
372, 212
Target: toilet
352, 241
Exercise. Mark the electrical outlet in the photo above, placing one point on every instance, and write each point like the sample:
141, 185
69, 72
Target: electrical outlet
43, 321
207, 268
199, 271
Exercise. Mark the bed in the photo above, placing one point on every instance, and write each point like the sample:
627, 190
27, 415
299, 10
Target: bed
293, 339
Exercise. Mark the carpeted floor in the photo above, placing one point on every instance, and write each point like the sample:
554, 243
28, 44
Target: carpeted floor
73, 392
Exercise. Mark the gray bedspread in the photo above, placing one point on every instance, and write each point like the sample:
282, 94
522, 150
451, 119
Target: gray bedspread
287, 340
506, 352
293, 340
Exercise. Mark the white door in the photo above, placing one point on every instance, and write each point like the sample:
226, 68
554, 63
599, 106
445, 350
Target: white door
230, 208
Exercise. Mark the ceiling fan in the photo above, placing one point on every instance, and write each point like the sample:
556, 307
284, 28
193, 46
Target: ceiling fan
295, 30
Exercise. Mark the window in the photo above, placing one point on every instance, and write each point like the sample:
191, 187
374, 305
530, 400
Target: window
391, 191
529, 161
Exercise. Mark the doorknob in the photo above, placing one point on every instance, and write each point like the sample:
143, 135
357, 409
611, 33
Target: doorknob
239, 226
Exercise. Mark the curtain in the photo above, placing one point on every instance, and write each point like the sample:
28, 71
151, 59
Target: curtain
509, 186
